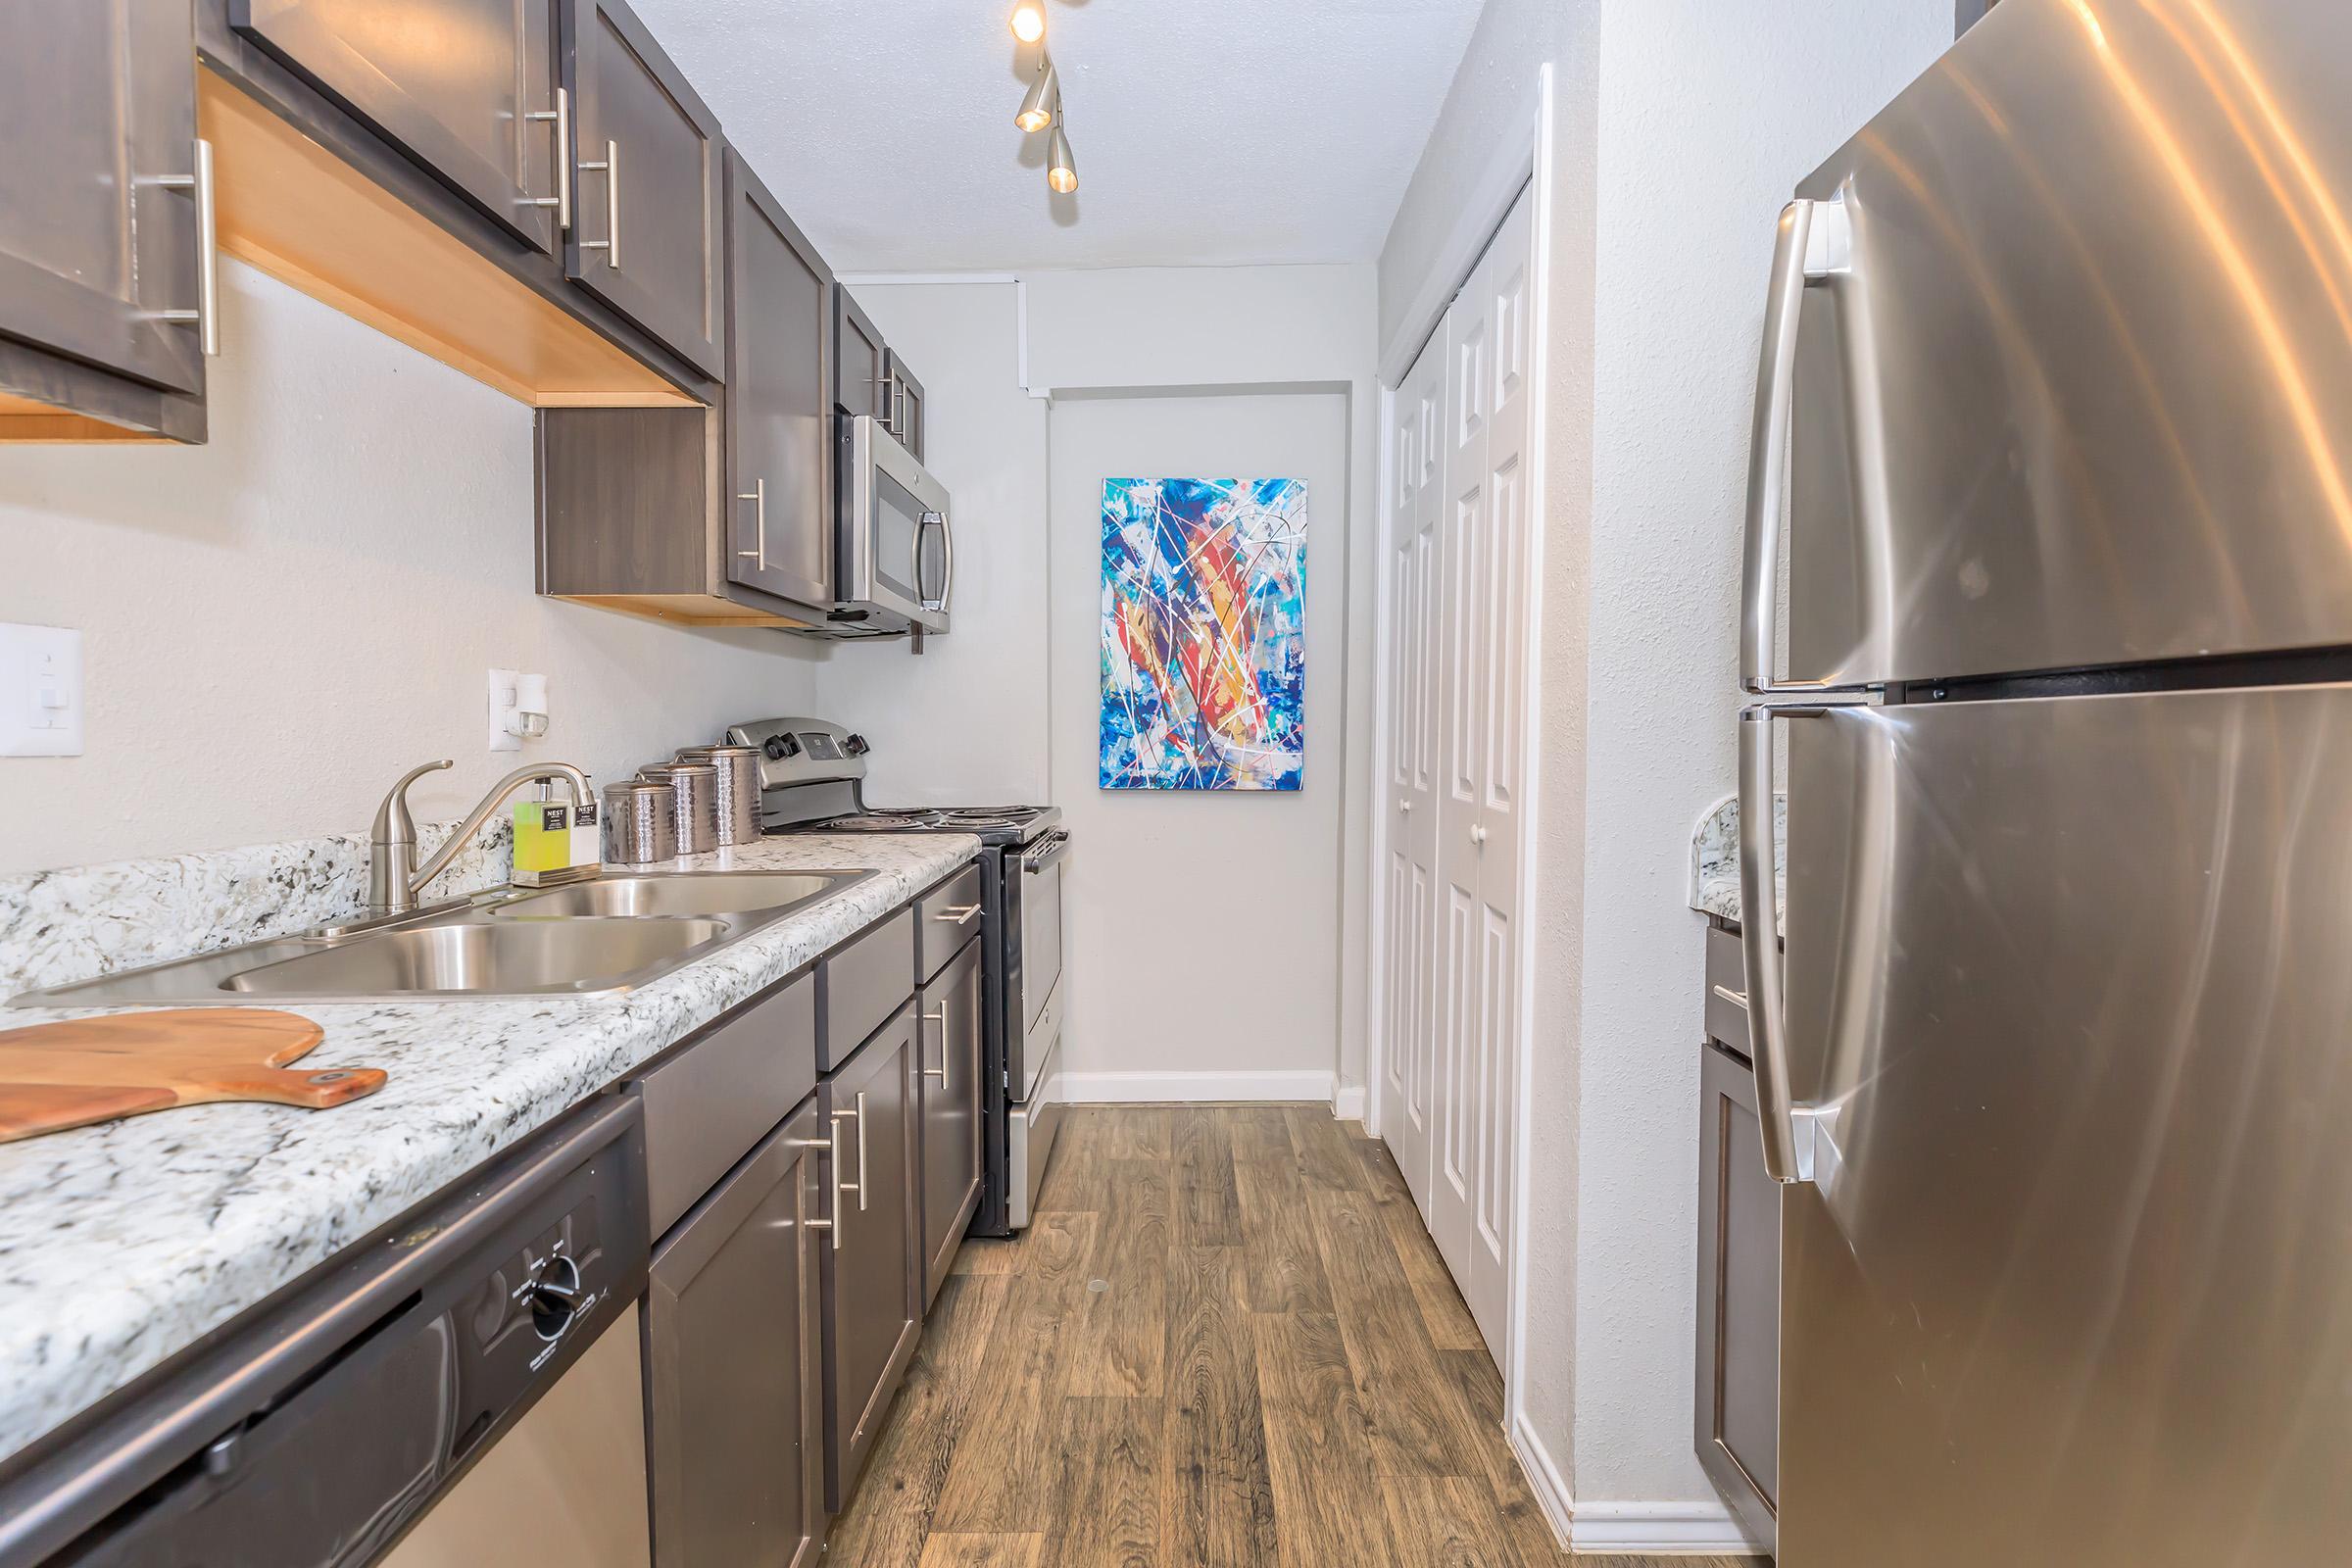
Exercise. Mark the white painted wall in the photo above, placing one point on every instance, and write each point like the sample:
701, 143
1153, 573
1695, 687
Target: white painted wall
984, 729
278, 623
1680, 127
1726, 108
966, 723
1202, 929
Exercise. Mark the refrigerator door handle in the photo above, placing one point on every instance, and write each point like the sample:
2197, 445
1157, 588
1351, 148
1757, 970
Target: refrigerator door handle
1815, 242
1786, 1126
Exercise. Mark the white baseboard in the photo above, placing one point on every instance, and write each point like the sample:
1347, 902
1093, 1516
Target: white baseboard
1659, 1529
1191, 1088
1544, 1479
1347, 1101
1633, 1529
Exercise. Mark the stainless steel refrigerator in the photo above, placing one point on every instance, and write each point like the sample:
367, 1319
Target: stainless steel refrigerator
2054, 444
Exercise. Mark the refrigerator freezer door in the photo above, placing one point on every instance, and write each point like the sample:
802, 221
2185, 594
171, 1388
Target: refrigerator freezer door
2072, 981
2082, 393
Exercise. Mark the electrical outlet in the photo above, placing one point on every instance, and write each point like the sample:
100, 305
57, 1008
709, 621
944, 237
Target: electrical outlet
517, 709
505, 711
40, 691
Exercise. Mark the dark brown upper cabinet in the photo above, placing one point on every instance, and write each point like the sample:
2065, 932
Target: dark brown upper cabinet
101, 220
779, 398
906, 405
648, 200
870, 377
466, 88
860, 362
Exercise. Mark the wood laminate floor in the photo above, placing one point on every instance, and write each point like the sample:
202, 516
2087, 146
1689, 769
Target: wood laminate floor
1226, 1342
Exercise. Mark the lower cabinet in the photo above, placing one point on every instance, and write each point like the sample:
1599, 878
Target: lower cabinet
951, 1095
1737, 1408
871, 1269
733, 1351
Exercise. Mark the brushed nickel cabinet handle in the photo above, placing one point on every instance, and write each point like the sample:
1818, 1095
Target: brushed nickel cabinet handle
831, 1144
758, 498
958, 913
610, 166
561, 117
206, 317
939, 1072
861, 1143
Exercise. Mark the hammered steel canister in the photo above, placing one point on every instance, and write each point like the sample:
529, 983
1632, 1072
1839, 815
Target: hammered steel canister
738, 789
641, 823
695, 787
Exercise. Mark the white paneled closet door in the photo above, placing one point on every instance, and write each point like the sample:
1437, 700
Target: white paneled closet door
1474, 658
1417, 494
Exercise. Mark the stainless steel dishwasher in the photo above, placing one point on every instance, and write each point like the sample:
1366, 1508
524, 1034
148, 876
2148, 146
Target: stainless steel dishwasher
467, 1378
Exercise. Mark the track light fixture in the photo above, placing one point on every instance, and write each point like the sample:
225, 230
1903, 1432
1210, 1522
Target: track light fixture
1029, 19
1044, 97
1061, 167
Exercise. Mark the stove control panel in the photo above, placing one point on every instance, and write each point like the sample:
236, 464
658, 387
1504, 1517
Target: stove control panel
802, 751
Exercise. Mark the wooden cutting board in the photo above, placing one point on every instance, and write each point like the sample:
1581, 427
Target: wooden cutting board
59, 1075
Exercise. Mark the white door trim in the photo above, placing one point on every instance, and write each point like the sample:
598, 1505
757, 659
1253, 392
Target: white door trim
1376, 1012
1531, 750
1517, 164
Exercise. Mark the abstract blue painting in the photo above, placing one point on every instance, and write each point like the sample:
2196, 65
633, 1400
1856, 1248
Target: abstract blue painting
1203, 634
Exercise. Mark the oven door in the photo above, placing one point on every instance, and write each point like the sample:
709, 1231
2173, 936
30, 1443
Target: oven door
897, 548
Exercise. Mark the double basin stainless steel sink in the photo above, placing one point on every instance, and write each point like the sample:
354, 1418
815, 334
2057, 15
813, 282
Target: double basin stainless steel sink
607, 935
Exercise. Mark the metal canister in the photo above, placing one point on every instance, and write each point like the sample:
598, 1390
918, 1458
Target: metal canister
738, 789
641, 823
694, 786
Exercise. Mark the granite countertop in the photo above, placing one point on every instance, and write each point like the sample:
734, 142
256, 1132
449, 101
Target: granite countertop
1715, 859
121, 1244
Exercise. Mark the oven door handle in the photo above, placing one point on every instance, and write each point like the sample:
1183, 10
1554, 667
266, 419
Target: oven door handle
1049, 849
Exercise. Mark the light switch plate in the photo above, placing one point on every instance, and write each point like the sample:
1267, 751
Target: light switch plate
40, 691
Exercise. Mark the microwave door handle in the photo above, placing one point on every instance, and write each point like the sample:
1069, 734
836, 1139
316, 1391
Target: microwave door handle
946, 539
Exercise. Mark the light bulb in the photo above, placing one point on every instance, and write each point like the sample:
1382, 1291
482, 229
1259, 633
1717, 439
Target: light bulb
1061, 168
1044, 100
1029, 19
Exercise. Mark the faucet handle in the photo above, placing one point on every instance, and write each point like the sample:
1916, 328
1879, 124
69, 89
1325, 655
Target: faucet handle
393, 824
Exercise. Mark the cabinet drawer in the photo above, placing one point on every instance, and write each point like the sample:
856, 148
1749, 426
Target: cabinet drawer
947, 917
864, 983
708, 1103
1726, 972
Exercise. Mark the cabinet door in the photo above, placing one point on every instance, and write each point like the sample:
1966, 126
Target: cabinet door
950, 1043
733, 1340
861, 364
467, 87
1738, 1384
98, 207
779, 398
647, 202
872, 1272
906, 407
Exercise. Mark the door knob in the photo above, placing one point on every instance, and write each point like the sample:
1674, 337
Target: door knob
1406, 807
1478, 834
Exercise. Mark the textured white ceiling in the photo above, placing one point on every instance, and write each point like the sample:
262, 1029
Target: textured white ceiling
1207, 132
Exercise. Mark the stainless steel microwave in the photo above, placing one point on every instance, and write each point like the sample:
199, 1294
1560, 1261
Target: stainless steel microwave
898, 547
